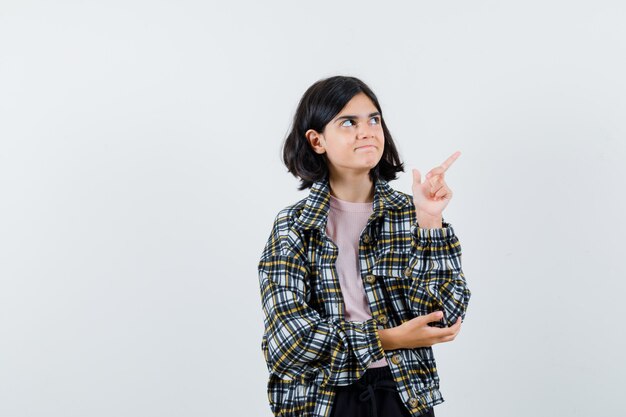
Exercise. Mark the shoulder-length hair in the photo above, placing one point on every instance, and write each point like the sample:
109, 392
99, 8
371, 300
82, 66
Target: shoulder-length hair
321, 102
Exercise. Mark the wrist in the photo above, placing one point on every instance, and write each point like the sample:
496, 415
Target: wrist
427, 221
389, 338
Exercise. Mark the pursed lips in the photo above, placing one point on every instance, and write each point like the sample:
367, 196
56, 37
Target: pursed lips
366, 146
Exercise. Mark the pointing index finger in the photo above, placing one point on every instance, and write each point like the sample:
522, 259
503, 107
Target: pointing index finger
446, 164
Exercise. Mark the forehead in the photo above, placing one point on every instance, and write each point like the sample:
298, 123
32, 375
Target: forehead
359, 107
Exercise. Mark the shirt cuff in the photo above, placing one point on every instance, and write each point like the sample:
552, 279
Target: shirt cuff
370, 330
425, 235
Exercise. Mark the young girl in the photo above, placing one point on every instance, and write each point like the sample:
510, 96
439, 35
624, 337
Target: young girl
357, 280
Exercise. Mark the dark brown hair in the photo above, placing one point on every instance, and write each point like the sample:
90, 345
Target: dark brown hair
320, 103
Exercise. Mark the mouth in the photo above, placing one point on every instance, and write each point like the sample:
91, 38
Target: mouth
366, 147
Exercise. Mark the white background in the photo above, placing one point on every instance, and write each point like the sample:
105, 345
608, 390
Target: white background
140, 173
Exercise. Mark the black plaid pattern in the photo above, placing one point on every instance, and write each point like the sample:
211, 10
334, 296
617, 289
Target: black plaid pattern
308, 345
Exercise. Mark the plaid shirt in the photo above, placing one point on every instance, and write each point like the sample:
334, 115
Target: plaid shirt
407, 271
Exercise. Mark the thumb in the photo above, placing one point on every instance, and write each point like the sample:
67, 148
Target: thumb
417, 177
434, 316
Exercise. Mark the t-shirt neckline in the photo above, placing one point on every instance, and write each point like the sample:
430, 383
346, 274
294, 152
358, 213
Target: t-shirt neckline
351, 206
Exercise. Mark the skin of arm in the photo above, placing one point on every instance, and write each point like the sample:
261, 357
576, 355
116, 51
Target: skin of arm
416, 333
388, 338
427, 221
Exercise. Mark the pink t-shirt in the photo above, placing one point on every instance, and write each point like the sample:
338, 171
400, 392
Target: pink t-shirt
346, 221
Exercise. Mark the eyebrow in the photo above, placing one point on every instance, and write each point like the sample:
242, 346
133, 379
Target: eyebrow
353, 116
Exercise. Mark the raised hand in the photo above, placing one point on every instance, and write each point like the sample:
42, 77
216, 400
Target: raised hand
432, 195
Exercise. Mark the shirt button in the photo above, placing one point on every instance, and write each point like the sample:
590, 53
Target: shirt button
407, 272
367, 239
382, 319
413, 402
396, 359
370, 279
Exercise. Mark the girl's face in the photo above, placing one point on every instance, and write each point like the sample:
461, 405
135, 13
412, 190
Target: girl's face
353, 140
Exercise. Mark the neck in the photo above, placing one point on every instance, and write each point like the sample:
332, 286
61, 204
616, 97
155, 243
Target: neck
353, 189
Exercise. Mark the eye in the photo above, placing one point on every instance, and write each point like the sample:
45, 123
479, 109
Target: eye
347, 120
376, 120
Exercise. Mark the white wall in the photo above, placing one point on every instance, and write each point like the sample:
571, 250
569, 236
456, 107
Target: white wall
140, 174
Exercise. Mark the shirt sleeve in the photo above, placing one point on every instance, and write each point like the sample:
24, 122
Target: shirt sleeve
438, 279
297, 341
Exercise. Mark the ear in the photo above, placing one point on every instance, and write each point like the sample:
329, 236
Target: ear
315, 140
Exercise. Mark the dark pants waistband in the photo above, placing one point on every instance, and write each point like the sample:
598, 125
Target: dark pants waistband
375, 379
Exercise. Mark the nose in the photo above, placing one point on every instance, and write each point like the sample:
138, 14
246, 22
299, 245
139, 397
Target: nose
365, 131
